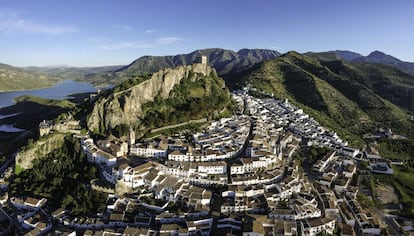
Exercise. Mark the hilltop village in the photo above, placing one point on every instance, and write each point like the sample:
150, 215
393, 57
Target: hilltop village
242, 175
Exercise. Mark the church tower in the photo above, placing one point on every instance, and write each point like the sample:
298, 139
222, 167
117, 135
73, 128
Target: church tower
131, 136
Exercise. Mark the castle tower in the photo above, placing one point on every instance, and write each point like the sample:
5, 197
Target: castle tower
201, 59
204, 60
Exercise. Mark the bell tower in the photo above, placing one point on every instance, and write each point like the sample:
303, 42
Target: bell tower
131, 136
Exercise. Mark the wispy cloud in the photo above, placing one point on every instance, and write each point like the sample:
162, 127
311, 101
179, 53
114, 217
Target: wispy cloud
150, 31
125, 45
125, 27
10, 26
168, 40
139, 44
12, 21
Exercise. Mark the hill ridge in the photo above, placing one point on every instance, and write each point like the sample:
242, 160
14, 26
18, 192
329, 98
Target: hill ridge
345, 96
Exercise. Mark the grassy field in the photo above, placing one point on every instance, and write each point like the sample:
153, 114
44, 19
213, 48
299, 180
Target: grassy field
16, 79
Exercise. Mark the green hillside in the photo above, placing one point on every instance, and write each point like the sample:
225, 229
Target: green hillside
15, 79
45, 102
341, 95
82, 74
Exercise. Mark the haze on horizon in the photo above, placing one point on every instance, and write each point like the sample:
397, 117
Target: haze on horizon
98, 33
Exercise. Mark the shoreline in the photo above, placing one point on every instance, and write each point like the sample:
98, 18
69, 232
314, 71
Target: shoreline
31, 89
10, 128
99, 86
2, 116
55, 92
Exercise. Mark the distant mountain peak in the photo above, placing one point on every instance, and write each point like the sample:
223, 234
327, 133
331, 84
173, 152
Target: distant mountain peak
377, 53
375, 57
382, 58
293, 53
347, 55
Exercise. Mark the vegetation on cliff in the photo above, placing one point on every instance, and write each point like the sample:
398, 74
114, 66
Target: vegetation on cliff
189, 100
170, 96
39, 148
62, 176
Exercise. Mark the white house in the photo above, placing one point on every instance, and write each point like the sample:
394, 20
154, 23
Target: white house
312, 227
149, 150
214, 167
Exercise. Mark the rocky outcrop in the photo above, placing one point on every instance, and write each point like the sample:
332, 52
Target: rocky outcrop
38, 149
125, 107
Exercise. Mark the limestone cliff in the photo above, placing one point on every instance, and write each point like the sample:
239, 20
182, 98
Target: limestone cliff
125, 107
39, 148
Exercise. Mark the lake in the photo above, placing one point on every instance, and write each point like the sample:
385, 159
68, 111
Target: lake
10, 129
61, 90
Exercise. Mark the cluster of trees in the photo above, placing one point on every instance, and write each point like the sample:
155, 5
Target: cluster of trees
63, 178
315, 153
397, 149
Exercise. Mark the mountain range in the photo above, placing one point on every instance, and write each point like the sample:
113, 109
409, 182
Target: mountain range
225, 62
228, 64
375, 57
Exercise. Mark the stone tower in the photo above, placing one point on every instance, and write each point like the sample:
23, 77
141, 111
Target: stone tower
204, 59
201, 59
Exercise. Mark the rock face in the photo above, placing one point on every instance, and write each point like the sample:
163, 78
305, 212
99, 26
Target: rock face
125, 107
40, 148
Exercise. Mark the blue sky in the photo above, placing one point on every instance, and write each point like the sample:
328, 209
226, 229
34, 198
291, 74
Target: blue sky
104, 32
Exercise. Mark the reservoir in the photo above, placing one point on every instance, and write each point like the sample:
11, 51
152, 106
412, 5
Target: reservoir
60, 90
